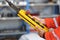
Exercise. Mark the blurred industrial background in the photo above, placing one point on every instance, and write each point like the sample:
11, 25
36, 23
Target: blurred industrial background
12, 27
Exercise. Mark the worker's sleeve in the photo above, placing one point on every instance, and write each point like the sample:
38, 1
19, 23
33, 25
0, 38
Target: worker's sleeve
58, 20
49, 23
54, 35
52, 22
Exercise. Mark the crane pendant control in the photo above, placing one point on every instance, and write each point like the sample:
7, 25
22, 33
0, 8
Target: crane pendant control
27, 18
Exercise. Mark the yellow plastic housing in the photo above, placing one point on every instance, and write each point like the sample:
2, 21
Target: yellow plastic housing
27, 18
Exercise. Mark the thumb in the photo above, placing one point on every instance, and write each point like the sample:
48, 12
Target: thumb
36, 18
39, 19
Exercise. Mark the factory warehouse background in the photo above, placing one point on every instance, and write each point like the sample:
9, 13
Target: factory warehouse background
29, 19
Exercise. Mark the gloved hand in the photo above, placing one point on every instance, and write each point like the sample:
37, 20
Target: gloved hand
41, 32
39, 19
